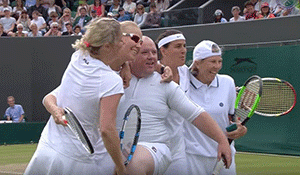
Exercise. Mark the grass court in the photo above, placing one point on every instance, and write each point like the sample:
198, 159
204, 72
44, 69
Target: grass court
14, 159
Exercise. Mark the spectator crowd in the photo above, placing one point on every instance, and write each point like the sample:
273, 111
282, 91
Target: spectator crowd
37, 18
257, 9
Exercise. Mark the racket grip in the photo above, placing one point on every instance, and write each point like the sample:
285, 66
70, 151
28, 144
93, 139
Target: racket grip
217, 169
231, 127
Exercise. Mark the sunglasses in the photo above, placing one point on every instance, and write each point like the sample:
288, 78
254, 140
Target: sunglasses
134, 37
54, 27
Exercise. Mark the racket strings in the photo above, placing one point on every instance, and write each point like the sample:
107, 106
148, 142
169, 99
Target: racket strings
247, 100
277, 98
76, 130
129, 131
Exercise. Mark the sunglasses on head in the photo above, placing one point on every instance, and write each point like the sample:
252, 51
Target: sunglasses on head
133, 37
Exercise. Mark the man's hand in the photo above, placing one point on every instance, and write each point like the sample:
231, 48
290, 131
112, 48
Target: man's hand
167, 75
224, 152
125, 74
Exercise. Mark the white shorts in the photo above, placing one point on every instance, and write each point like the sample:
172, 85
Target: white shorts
161, 155
204, 165
48, 161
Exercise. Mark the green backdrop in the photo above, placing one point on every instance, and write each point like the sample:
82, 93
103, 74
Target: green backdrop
267, 135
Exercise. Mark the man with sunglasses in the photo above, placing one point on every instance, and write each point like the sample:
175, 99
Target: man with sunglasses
155, 99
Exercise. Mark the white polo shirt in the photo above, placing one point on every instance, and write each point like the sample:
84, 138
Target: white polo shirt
218, 100
85, 81
155, 99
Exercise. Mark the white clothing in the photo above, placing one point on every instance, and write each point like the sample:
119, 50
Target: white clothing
218, 100
155, 99
7, 22
18, 11
241, 18
39, 22
128, 7
2, 8
223, 20
85, 81
62, 164
51, 9
207, 165
175, 129
140, 19
161, 156
79, 34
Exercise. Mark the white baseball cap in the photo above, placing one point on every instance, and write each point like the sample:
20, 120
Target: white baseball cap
206, 49
6, 9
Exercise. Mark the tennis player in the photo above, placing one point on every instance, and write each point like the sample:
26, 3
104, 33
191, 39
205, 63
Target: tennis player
172, 52
217, 94
92, 90
155, 99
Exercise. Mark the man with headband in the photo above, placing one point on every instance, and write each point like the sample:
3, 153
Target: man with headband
155, 100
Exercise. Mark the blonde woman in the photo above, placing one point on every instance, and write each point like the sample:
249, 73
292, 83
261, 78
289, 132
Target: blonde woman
140, 15
54, 30
92, 90
20, 32
65, 18
34, 31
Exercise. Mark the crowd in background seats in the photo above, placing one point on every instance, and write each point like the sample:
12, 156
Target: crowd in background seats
36, 18
257, 9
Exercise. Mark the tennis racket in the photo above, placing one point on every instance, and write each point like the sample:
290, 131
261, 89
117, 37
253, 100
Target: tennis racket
246, 102
76, 128
130, 132
278, 98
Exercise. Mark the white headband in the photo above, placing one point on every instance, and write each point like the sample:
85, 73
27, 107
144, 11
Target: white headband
169, 39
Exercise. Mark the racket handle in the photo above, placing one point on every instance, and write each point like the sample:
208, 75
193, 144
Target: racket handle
217, 169
231, 127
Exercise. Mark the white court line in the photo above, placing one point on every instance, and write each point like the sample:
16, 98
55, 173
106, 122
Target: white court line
8, 172
271, 155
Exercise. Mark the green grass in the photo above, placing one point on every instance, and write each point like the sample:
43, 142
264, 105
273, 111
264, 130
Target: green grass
12, 154
266, 164
246, 163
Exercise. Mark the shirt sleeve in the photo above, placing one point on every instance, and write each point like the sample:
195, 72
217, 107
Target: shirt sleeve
179, 102
232, 97
7, 112
113, 85
21, 110
54, 93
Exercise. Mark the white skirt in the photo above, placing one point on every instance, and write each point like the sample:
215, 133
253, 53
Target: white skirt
48, 161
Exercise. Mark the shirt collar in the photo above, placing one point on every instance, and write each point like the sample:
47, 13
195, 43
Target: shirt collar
197, 84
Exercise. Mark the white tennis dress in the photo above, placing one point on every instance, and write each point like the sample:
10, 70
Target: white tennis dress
155, 100
85, 81
218, 100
